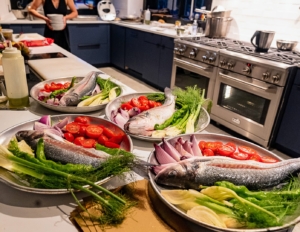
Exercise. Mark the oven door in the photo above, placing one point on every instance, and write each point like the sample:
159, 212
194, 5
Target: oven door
188, 72
246, 105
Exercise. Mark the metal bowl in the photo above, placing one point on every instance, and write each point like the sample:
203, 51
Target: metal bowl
195, 225
203, 121
6, 135
66, 109
286, 45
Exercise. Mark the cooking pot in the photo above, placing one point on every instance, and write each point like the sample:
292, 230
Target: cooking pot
286, 45
263, 40
217, 27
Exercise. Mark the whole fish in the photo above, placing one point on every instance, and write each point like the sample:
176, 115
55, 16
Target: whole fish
143, 123
84, 88
194, 172
62, 151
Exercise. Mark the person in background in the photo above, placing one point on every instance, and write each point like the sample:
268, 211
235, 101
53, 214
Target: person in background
61, 38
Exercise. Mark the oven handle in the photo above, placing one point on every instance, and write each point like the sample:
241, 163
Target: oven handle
191, 65
232, 78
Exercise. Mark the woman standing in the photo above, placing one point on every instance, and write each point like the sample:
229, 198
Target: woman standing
61, 38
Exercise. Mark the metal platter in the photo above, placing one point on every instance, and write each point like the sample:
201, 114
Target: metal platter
66, 109
194, 225
203, 121
8, 178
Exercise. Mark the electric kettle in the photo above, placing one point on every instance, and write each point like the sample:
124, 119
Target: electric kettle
263, 40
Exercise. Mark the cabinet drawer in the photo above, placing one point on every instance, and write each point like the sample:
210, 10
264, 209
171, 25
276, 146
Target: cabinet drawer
168, 42
34, 28
152, 38
130, 33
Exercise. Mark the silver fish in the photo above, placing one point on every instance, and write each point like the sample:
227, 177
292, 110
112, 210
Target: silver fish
84, 88
62, 151
143, 123
193, 172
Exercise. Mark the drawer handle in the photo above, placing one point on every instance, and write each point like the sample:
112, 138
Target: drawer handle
88, 45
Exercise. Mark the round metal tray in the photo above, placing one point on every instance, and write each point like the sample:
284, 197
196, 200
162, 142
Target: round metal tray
203, 122
195, 225
66, 109
5, 136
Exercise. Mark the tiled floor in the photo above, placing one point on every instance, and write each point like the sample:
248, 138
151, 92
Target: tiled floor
140, 86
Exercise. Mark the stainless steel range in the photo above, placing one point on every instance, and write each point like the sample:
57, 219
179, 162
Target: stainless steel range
248, 86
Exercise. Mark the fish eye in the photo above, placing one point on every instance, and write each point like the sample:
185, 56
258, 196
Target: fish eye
172, 173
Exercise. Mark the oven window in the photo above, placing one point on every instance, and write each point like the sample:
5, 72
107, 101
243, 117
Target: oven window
186, 78
243, 103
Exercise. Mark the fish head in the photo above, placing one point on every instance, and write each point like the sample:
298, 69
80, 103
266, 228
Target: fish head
72, 99
139, 125
29, 135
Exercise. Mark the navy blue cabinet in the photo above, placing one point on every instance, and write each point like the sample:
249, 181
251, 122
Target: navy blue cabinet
134, 50
26, 28
117, 46
90, 42
158, 60
288, 137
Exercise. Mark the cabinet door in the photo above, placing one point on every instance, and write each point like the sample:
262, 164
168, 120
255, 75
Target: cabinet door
134, 50
151, 62
165, 67
15, 27
117, 46
288, 135
33, 28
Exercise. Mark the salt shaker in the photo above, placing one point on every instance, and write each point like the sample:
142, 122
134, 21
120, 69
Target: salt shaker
15, 77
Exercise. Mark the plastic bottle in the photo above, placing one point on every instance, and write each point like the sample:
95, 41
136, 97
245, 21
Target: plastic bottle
147, 16
194, 28
15, 77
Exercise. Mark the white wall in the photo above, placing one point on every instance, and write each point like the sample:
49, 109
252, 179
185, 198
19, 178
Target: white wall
4, 7
281, 16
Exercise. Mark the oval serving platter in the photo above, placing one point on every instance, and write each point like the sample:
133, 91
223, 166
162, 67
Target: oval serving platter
203, 122
8, 177
65, 109
194, 225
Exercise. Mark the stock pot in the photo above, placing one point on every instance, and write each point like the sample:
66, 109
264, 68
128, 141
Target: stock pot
217, 27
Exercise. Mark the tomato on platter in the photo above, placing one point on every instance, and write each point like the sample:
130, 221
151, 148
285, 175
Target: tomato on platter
67, 85
225, 150
117, 138
102, 139
157, 104
255, 157
111, 144
88, 143
68, 136
231, 144
208, 152
108, 132
268, 159
143, 100
151, 103
47, 87
126, 106
213, 145
82, 130
54, 86
239, 156
78, 140
135, 102
202, 145
93, 131
73, 128
144, 107
82, 119
247, 150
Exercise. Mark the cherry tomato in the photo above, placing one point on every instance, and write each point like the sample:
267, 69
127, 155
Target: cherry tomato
68, 136
231, 144
78, 140
82, 130
47, 87
255, 157
111, 144
67, 85
144, 107
208, 152
117, 138
88, 143
213, 145
102, 139
93, 131
202, 145
126, 106
239, 156
151, 103
73, 128
135, 102
247, 150
82, 119
157, 104
225, 150
268, 159
143, 100
108, 132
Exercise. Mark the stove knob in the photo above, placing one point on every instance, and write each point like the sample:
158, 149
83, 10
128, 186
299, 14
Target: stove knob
211, 59
230, 64
176, 50
182, 49
276, 78
204, 58
193, 53
223, 63
247, 70
266, 75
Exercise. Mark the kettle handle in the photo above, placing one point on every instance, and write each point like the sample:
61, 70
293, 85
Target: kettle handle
254, 35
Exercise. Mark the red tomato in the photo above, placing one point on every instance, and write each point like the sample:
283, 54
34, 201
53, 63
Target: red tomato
202, 145
54, 87
157, 104
255, 157
68, 136
135, 102
230, 144
78, 140
93, 131
208, 152
117, 138
225, 150
213, 145
88, 143
73, 128
239, 156
126, 106
247, 150
67, 85
268, 159
144, 107
108, 132
143, 100
151, 103
111, 144
82, 130
82, 119
102, 139
47, 87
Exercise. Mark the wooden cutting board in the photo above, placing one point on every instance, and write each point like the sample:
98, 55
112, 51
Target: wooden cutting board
150, 214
